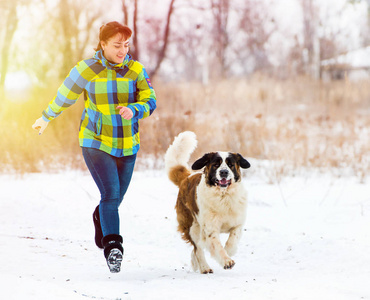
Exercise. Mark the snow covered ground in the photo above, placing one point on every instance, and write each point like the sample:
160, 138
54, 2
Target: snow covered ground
305, 238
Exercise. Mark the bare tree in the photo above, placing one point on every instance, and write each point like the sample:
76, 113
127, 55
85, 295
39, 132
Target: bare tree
91, 16
135, 48
162, 52
220, 10
164, 40
68, 31
136, 53
125, 12
311, 38
76, 34
256, 26
9, 12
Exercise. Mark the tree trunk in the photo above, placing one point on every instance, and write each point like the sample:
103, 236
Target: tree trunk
134, 50
162, 52
68, 55
136, 53
11, 26
220, 11
125, 12
311, 38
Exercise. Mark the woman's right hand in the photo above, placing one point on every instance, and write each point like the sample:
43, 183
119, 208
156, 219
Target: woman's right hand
40, 125
125, 112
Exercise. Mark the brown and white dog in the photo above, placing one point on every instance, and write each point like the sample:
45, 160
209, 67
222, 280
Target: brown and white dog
210, 202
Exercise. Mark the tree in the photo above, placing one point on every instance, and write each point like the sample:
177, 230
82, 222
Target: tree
75, 32
164, 40
256, 28
162, 52
220, 10
311, 42
67, 32
9, 9
135, 50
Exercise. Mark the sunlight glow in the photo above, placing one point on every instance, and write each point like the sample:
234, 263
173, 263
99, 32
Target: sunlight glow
17, 86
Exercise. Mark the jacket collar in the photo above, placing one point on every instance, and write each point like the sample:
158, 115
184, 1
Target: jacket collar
106, 63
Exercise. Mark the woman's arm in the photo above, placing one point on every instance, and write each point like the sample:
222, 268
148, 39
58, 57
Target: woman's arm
69, 91
146, 101
67, 95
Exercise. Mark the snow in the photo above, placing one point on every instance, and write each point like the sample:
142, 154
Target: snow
306, 237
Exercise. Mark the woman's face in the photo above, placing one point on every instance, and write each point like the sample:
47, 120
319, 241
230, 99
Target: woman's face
116, 48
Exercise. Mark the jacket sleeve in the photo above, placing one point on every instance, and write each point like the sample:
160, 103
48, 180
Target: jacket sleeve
146, 101
68, 92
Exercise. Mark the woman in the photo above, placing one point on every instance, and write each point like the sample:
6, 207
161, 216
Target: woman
117, 93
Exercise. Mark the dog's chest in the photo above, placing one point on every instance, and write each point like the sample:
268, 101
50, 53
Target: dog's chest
229, 209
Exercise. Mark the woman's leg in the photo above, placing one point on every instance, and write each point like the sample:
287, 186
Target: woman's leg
112, 176
104, 170
125, 166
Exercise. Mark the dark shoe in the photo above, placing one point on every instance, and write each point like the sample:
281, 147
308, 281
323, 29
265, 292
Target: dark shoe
98, 231
113, 251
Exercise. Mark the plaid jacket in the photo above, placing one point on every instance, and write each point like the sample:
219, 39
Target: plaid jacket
105, 86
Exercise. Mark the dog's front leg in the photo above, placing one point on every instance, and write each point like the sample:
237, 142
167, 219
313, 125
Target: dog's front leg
231, 245
198, 260
218, 252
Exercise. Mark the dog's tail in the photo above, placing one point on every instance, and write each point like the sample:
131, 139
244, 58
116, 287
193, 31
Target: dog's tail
178, 155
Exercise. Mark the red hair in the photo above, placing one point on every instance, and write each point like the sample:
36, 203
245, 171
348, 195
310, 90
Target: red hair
111, 29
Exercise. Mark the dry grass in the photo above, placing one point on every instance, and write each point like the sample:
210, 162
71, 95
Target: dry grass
291, 125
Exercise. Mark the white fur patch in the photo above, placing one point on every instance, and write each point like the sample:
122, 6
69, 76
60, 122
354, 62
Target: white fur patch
179, 152
224, 166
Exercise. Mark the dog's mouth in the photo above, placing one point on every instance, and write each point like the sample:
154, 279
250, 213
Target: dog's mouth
223, 182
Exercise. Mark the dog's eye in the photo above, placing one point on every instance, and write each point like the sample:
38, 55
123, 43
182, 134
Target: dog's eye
230, 165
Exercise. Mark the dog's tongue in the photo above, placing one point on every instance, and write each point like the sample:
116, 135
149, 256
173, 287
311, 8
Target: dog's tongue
223, 181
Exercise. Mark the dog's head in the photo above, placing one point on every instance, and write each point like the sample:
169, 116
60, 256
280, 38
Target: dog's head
221, 168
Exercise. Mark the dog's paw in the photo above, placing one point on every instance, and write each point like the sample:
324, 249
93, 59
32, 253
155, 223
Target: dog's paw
207, 271
229, 264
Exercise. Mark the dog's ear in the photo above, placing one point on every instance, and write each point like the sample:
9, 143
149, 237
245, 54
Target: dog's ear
201, 162
243, 163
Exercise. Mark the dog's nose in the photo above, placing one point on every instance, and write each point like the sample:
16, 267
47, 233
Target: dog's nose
224, 173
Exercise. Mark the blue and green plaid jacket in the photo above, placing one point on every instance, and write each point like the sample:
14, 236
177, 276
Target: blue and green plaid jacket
105, 86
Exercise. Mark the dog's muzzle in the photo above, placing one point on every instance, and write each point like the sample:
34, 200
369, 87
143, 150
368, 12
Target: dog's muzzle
223, 182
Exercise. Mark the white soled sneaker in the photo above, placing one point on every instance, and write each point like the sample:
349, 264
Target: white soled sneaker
114, 260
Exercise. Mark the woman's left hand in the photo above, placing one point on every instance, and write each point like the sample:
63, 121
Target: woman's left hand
125, 112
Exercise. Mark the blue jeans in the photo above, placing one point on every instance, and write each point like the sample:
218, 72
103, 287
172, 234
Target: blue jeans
112, 175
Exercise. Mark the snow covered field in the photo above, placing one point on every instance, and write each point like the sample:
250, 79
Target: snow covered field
305, 238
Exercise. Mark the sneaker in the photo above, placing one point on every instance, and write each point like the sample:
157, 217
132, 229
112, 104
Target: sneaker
113, 251
114, 260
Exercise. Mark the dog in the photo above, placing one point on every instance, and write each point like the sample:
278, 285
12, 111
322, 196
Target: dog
209, 202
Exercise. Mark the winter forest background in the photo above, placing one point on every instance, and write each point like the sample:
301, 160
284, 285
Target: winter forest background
274, 80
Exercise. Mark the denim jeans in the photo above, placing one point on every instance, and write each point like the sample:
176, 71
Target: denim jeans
112, 175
